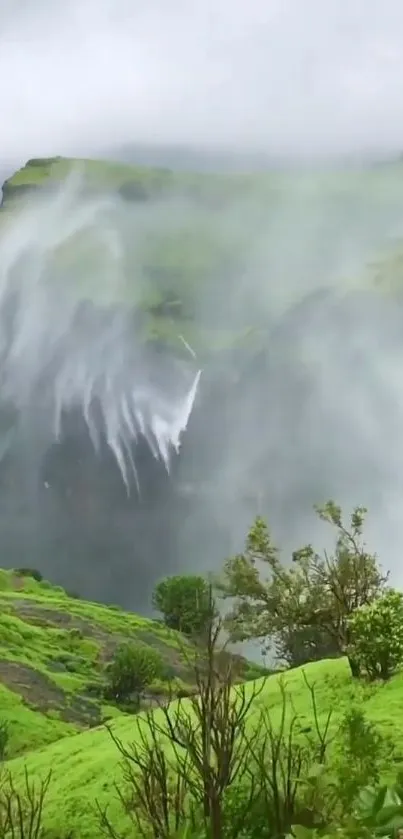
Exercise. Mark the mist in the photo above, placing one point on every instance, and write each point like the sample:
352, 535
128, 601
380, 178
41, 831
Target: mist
120, 464
284, 78
303, 399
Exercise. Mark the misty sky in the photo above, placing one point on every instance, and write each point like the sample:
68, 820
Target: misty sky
283, 76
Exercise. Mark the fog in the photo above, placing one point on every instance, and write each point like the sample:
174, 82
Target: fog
308, 406
281, 77
311, 407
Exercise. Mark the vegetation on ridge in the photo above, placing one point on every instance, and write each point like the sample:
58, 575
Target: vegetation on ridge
54, 650
316, 750
178, 265
307, 749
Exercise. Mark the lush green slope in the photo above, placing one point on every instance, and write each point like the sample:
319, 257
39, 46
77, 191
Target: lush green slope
85, 766
53, 651
53, 647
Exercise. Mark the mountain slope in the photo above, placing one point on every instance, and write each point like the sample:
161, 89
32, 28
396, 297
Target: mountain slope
200, 248
85, 767
53, 652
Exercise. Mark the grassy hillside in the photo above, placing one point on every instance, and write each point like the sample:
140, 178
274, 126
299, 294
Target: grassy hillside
85, 766
53, 646
53, 651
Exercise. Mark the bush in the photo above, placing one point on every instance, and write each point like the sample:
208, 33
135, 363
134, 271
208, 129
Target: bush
184, 602
29, 572
362, 754
132, 669
376, 636
21, 808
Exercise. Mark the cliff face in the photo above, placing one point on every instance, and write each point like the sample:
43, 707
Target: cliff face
267, 441
275, 427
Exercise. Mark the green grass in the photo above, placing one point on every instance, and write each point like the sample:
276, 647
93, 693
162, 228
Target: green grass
53, 652
28, 729
86, 766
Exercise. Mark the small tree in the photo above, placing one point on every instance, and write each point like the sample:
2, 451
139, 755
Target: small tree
132, 669
184, 602
376, 635
21, 809
216, 764
296, 646
168, 791
314, 592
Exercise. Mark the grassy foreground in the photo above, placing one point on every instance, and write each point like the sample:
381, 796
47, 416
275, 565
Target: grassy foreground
53, 648
85, 766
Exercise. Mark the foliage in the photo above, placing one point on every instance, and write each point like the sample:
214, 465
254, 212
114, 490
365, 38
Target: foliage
53, 636
4, 739
376, 635
378, 811
21, 813
184, 602
298, 645
210, 751
362, 753
315, 593
216, 765
29, 572
133, 668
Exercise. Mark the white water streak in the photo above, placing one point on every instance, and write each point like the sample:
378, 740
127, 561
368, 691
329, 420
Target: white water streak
60, 352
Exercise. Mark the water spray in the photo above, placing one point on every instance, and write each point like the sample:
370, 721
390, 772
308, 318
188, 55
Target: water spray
68, 340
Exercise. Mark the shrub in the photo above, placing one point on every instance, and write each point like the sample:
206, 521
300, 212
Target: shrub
184, 602
133, 668
21, 808
376, 636
29, 572
363, 752
221, 778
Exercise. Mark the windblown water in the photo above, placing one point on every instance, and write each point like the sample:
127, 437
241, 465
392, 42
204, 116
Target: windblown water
71, 341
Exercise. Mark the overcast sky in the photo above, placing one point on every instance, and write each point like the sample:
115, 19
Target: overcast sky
307, 76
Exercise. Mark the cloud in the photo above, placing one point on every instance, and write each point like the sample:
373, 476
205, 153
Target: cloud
321, 414
279, 76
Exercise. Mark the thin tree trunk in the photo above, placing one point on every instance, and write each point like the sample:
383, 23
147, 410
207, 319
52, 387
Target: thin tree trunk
354, 667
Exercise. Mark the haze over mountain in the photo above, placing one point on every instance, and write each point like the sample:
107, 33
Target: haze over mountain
313, 409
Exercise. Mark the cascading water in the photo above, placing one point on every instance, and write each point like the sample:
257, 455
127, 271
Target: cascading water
70, 338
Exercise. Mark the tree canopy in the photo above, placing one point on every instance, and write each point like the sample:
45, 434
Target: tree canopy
311, 597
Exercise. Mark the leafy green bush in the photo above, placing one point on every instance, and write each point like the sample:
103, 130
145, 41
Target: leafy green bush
133, 668
376, 636
362, 753
378, 812
185, 603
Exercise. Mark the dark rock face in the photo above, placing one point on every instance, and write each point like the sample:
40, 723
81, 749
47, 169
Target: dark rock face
268, 432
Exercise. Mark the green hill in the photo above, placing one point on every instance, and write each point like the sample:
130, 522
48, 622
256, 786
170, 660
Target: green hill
54, 646
84, 767
53, 652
